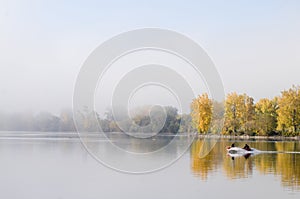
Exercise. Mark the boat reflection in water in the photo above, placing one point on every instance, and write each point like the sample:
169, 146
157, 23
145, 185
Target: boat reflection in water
280, 158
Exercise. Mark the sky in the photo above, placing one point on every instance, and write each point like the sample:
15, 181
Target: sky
254, 45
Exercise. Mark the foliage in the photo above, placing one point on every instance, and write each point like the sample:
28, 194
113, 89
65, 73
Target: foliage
172, 121
266, 116
202, 112
186, 124
239, 114
218, 117
280, 115
289, 111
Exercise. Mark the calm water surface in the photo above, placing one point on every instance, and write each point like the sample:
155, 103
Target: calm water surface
34, 166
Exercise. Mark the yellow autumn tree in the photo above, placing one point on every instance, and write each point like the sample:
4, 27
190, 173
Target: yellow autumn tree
248, 122
201, 113
289, 111
239, 113
234, 111
266, 116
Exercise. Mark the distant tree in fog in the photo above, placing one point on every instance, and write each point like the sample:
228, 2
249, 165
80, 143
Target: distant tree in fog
66, 120
45, 121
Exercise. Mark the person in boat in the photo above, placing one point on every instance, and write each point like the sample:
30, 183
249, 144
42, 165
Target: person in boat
247, 147
229, 147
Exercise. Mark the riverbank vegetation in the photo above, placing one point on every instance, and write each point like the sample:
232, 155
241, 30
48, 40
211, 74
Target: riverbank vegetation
239, 114
267, 117
169, 120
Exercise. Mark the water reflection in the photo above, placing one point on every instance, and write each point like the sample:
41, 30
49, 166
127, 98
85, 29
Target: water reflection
284, 165
53, 167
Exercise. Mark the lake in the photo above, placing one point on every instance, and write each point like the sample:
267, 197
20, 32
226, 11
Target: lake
39, 165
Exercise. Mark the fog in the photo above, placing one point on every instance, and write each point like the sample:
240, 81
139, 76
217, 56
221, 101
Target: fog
43, 46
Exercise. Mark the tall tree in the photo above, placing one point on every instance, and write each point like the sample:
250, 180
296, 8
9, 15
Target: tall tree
172, 122
289, 111
234, 112
248, 123
239, 113
266, 116
218, 117
186, 124
202, 112
66, 120
47, 122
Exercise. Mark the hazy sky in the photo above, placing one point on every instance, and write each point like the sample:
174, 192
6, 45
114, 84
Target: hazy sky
255, 45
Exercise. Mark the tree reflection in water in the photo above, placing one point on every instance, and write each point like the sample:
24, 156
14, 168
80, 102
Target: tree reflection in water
286, 166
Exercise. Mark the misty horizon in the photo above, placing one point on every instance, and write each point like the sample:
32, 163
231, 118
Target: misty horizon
255, 53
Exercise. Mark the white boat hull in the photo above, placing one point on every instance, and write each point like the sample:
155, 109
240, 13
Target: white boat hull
240, 151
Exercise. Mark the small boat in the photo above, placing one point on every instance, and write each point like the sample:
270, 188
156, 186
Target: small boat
241, 152
238, 150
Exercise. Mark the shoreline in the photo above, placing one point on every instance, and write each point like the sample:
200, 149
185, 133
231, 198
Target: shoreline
247, 137
74, 134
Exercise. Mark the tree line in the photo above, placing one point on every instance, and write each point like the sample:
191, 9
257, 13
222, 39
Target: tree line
88, 120
145, 119
43, 121
241, 116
